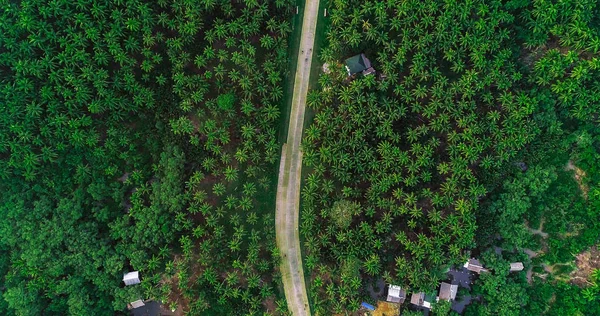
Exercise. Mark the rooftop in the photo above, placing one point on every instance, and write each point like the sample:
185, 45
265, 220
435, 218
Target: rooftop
151, 308
419, 300
475, 266
396, 294
516, 266
131, 278
356, 64
448, 291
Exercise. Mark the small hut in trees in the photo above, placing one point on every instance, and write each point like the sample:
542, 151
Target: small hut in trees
448, 291
419, 299
150, 307
136, 304
359, 63
396, 294
475, 266
131, 278
516, 266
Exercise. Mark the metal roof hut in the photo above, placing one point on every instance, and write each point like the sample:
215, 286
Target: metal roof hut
396, 294
419, 300
448, 291
475, 266
359, 63
131, 278
151, 308
136, 304
516, 266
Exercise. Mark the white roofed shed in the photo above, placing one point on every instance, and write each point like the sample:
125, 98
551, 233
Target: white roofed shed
131, 278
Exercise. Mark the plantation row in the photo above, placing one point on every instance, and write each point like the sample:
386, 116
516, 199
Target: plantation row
143, 136
140, 135
406, 164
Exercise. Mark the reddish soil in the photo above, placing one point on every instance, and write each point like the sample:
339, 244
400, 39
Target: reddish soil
195, 121
587, 262
175, 296
270, 304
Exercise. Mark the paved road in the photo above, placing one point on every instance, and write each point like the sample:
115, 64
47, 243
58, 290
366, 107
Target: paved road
288, 190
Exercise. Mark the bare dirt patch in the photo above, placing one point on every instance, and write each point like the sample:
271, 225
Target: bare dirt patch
387, 309
270, 304
376, 292
539, 231
175, 297
531, 253
579, 176
530, 56
587, 262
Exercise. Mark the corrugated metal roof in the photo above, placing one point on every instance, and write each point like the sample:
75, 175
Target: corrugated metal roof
448, 291
516, 266
136, 304
396, 294
131, 278
356, 64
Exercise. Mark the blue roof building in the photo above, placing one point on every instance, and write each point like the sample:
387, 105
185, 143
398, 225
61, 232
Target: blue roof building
367, 306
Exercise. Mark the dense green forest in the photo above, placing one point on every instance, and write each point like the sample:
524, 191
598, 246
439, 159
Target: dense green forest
140, 135
480, 126
144, 135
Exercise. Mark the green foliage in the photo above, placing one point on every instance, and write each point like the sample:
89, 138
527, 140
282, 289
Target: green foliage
561, 299
463, 92
143, 134
504, 293
225, 101
562, 39
520, 198
573, 23
115, 154
342, 212
407, 312
441, 308
409, 143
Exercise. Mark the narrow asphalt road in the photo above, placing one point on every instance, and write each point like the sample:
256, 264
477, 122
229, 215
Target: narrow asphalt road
288, 189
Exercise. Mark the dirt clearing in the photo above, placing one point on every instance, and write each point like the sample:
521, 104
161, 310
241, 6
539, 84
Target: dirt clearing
586, 262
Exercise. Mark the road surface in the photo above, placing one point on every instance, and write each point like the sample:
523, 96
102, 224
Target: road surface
288, 189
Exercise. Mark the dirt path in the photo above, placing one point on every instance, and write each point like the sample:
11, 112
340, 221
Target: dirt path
579, 176
539, 231
288, 189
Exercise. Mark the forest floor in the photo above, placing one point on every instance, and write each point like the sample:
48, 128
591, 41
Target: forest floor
288, 190
578, 176
587, 262
538, 231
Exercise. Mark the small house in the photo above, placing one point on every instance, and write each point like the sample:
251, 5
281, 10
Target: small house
475, 266
448, 291
419, 299
136, 304
131, 278
396, 294
516, 266
151, 307
359, 63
